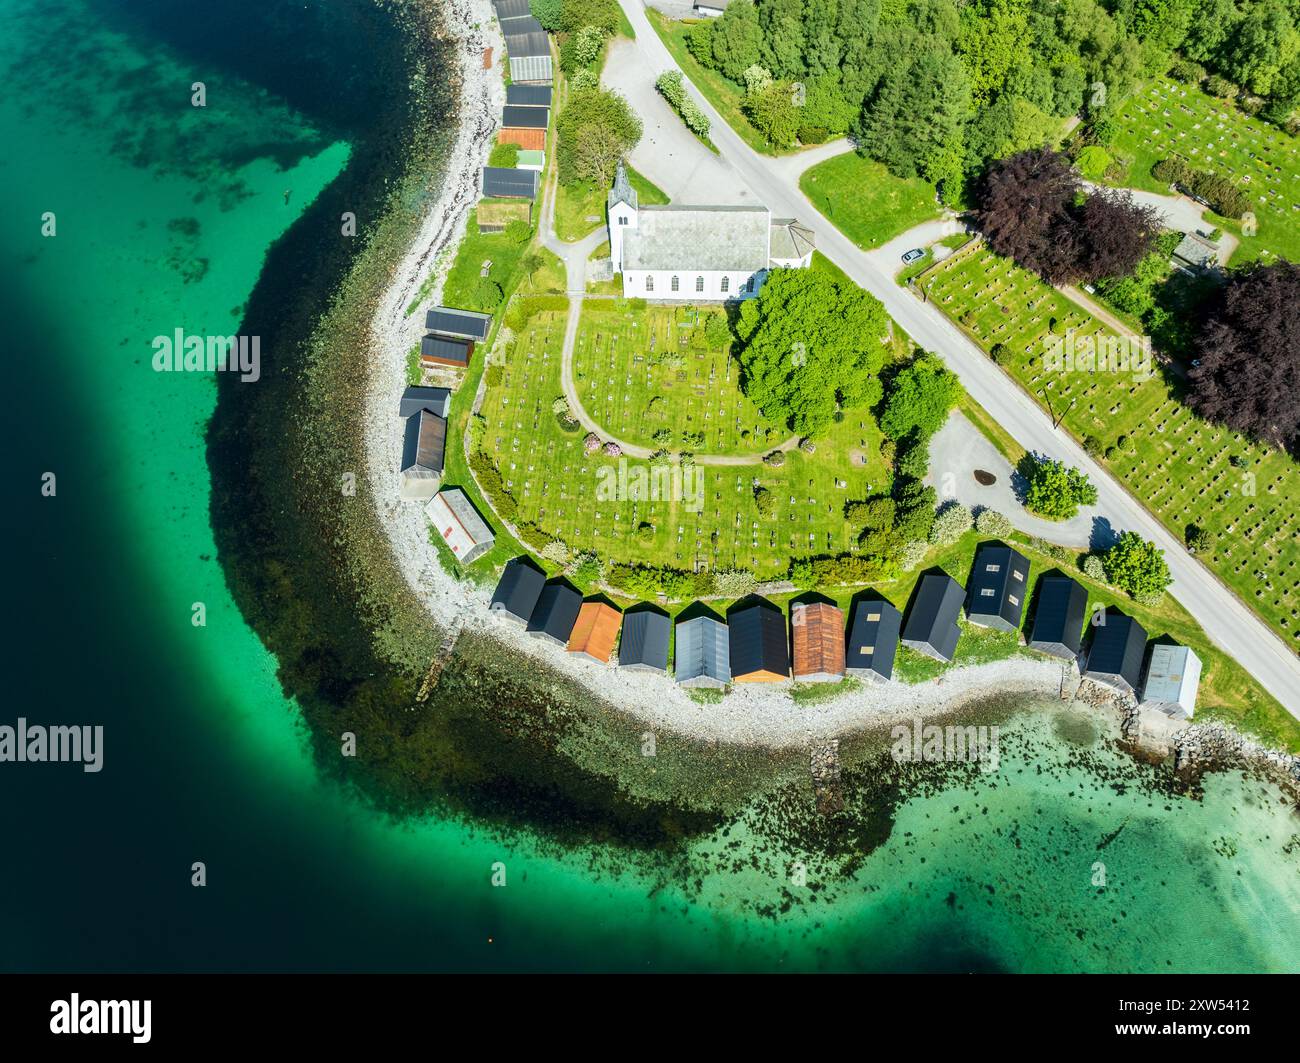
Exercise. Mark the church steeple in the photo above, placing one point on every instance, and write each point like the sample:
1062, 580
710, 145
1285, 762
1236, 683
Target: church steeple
622, 192
622, 214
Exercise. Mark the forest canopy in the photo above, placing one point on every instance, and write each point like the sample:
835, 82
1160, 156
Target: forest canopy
936, 88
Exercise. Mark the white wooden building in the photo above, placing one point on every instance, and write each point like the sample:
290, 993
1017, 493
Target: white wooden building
699, 254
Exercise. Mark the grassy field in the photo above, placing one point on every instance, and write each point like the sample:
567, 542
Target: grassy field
915, 269
725, 95
865, 201
1185, 470
556, 486
581, 208
1171, 119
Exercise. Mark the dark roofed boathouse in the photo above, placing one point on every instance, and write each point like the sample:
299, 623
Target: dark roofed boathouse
644, 645
555, 613
760, 652
873, 640
528, 95
524, 117
465, 324
518, 590
999, 584
500, 182
1059, 616
445, 350
435, 400
932, 623
1118, 645
424, 449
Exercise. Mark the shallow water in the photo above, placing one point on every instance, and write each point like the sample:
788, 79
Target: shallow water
163, 218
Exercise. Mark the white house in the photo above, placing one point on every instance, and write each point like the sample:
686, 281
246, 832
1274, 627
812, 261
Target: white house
699, 254
1172, 679
458, 522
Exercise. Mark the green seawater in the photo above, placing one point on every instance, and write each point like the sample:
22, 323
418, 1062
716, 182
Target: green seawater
1068, 857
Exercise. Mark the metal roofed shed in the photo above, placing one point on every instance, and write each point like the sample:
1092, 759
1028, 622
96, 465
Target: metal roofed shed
999, 584
524, 117
873, 640
703, 653
1059, 617
446, 350
698, 238
468, 324
1172, 680
517, 591
424, 446
500, 182
528, 139
435, 400
528, 95
555, 614
531, 68
759, 650
644, 646
454, 517
818, 629
1115, 658
596, 631
932, 624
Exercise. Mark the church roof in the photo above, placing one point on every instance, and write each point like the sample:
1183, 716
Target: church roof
698, 238
791, 239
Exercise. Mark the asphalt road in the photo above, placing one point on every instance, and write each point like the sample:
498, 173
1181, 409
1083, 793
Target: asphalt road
1226, 620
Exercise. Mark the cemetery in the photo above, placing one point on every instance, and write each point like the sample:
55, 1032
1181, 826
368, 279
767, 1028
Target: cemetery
1186, 471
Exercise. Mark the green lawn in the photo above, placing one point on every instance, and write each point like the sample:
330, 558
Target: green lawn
1172, 119
1180, 466
580, 208
865, 201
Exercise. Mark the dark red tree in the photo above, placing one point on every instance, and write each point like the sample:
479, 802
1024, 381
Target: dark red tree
1032, 211
1249, 373
1025, 203
1117, 234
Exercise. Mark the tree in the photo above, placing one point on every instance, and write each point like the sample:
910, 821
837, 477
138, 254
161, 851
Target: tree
918, 112
550, 13
805, 343
1249, 373
920, 398
1117, 234
952, 522
1137, 566
771, 110
737, 40
991, 522
1198, 540
595, 130
1024, 212
1055, 490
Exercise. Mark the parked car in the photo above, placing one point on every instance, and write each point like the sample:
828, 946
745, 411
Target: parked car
913, 255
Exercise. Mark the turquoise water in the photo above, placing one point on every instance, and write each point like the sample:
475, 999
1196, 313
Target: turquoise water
164, 214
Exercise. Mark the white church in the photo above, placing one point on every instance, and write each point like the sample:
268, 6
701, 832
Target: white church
699, 254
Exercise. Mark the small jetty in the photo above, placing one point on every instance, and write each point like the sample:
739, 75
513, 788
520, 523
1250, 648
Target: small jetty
824, 765
439, 662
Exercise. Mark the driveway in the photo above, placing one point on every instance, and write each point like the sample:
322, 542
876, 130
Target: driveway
669, 153
1224, 617
958, 450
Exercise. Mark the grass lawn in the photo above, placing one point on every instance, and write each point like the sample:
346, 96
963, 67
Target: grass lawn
555, 485
581, 208
1168, 118
1180, 466
865, 201
723, 94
